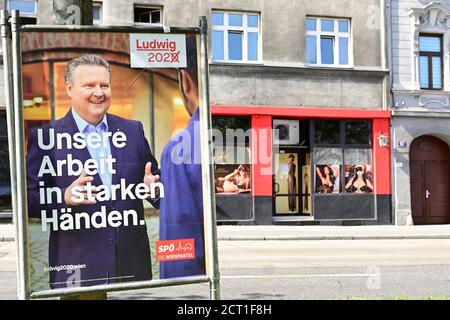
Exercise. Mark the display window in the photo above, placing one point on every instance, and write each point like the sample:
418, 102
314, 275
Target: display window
343, 156
232, 155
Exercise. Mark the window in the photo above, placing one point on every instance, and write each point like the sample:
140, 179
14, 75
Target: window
358, 132
27, 8
327, 41
232, 169
327, 132
148, 15
97, 13
235, 37
430, 62
343, 156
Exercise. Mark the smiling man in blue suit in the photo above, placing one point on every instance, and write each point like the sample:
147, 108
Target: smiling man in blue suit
84, 250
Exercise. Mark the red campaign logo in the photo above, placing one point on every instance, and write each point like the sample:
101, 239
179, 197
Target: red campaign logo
173, 250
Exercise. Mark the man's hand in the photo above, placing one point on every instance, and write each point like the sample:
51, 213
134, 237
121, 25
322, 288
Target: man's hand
81, 182
149, 178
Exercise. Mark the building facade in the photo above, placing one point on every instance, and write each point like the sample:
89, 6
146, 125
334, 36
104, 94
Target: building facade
302, 88
319, 75
421, 111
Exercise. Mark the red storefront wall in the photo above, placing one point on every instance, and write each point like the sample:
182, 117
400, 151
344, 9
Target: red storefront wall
261, 121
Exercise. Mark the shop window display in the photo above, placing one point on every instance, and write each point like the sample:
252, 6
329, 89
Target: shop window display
328, 162
358, 171
349, 168
232, 170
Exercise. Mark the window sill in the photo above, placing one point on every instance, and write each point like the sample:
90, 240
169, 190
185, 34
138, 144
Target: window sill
329, 66
147, 24
249, 63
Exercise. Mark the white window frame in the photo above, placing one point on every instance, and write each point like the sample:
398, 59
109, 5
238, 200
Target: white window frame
245, 29
100, 6
25, 14
149, 23
318, 33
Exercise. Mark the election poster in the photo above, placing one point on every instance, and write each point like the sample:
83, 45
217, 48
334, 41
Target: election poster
113, 161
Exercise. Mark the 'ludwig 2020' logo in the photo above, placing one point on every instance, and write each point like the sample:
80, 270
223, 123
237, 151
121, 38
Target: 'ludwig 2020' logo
173, 250
148, 50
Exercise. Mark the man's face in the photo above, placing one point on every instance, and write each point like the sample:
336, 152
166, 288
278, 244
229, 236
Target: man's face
90, 92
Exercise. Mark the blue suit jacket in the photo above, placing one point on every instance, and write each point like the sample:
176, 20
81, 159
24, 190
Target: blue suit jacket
110, 254
181, 213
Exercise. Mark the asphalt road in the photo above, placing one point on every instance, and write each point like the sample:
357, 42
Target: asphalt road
346, 269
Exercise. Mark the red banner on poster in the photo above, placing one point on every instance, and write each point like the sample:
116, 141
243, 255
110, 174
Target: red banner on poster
173, 250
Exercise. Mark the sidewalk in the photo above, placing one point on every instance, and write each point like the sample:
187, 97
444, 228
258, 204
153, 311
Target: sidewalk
250, 233
7, 232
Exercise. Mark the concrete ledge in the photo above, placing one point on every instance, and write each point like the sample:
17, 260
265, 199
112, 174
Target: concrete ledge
268, 238
387, 232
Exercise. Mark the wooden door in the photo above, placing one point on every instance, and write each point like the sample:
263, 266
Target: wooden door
429, 165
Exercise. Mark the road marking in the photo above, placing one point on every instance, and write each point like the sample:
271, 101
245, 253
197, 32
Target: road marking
299, 276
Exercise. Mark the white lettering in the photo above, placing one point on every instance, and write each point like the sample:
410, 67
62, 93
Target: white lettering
66, 221
80, 141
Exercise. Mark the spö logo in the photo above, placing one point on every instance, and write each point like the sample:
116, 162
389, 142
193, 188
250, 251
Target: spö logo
172, 250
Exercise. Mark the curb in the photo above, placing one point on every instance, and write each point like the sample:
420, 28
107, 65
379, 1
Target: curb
287, 238
295, 238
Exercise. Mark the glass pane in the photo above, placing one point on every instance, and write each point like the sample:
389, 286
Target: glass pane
327, 178
284, 203
332, 156
231, 132
155, 17
358, 171
437, 72
327, 50
217, 19
423, 70
217, 45
253, 46
287, 182
327, 132
311, 24
358, 156
358, 132
311, 49
328, 162
430, 44
235, 20
223, 123
232, 178
252, 21
343, 26
96, 13
23, 6
232, 155
235, 45
327, 25
343, 50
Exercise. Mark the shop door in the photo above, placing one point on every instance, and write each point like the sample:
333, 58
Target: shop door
286, 183
429, 164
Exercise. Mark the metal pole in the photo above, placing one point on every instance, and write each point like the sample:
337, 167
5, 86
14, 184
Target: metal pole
119, 287
207, 166
9, 93
21, 217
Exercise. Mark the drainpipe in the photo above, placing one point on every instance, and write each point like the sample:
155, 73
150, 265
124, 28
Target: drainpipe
389, 99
